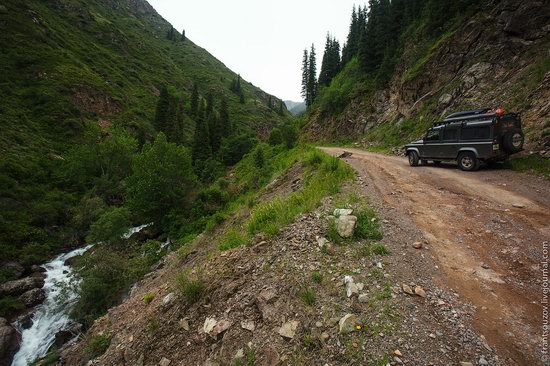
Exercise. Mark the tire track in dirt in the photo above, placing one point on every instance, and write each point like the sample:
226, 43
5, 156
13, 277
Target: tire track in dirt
488, 250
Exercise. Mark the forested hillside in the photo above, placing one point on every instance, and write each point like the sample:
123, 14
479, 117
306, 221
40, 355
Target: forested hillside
405, 64
85, 85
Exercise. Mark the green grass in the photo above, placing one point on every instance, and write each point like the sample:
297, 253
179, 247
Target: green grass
190, 288
316, 277
148, 297
374, 248
98, 344
367, 225
233, 239
308, 296
531, 163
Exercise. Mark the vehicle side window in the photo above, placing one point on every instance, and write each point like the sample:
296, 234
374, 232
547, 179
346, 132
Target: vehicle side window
475, 133
450, 134
433, 135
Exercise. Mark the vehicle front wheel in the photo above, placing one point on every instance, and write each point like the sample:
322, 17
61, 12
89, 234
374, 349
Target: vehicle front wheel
413, 158
468, 161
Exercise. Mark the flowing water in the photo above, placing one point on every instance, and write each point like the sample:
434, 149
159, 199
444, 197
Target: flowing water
52, 315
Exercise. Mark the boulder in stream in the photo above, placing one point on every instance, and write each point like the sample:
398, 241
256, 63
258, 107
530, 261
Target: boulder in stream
9, 342
17, 287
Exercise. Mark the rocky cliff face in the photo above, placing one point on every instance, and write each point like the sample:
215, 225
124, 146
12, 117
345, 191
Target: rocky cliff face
500, 57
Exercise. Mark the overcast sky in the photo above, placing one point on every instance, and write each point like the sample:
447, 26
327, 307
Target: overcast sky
262, 40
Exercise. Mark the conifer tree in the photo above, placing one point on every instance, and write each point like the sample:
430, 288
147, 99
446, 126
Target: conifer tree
225, 123
171, 34
330, 65
202, 150
305, 77
161, 113
209, 104
183, 35
312, 76
194, 100
281, 110
269, 103
241, 98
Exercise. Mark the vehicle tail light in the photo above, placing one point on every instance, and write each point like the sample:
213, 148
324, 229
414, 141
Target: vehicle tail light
499, 111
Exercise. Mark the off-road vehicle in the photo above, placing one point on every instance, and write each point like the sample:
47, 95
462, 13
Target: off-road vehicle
469, 137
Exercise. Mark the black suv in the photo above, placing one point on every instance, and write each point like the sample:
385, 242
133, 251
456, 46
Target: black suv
469, 137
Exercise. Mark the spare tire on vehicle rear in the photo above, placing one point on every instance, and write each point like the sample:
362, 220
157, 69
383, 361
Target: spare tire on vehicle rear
512, 142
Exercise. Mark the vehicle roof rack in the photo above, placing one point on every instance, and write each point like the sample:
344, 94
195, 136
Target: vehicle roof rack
466, 115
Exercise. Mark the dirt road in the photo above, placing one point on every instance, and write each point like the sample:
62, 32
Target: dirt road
486, 231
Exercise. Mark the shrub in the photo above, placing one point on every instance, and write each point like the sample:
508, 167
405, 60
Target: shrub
98, 344
315, 159
308, 296
9, 305
289, 133
111, 226
162, 180
275, 137
259, 158
235, 147
148, 297
191, 289
376, 248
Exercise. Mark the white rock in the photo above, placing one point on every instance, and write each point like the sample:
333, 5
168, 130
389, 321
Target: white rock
351, 286
363, 298
347, 323
288, 330
184, 323
165, 362
345, 225
248, 325
239, 354
342, 212
518, 205
169, 299
209, 324
322, 242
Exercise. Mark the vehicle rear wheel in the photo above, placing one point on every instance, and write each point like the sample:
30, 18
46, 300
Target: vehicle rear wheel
413, 158
437, 162
512, 142
468, 161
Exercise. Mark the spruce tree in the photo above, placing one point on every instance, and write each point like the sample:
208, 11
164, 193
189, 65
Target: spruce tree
312, 76
269, 103
209, 104
183, 35
225, 123
194, 100
305, 77
161, 113
281, 110
202, 150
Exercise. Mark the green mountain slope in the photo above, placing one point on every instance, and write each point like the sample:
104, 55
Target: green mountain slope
74, 68
438, 58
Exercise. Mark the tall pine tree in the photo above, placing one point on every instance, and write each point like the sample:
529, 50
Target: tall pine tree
194, 100
225, 122
202, 149
305, 77
161, 113
312, 75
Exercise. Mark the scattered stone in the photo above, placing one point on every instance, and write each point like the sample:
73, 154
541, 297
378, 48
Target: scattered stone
352, 287
240, 354
36, 268
363, 298
288, 330
398, 353
209, 324
483, 362
9, 343
431, 335
33, 297
345, 225
264, 302
417, 245
518, 205
168, 299
318, 324
220, 328
347, 323
397, 359
248, 325
322, 242
345, 154
463, 363
419, 291
165, 362
342, 212
325, 336
485, 266
407, 289
17, 287
184, 323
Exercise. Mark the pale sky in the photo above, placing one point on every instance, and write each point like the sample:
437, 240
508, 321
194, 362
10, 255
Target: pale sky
262, 40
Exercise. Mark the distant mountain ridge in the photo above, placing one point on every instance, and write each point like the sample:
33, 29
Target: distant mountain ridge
296, 108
